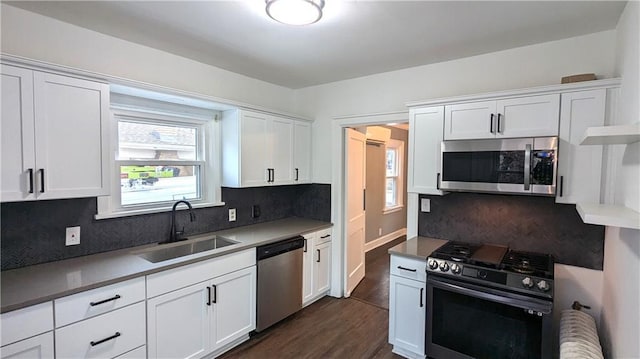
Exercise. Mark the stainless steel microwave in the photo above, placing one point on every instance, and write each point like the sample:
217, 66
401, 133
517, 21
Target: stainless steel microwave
518, 165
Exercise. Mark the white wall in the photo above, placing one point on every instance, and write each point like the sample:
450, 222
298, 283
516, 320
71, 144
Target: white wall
42, 38
536, 65
620, 319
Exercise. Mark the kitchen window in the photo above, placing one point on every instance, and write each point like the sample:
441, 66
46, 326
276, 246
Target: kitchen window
160, 158
393, 175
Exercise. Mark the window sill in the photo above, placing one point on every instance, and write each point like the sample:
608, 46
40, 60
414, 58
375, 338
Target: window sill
137, 212
393, 209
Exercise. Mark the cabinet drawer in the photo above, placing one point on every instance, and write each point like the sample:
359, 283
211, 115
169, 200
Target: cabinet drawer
98, 301
323, 236
138, 353
104, 336
38, 347
27, 322
409, 268
172, 279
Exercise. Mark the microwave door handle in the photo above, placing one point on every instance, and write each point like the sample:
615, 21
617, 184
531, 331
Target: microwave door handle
527, 167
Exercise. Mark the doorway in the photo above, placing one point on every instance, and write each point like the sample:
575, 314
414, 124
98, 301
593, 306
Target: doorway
375, 175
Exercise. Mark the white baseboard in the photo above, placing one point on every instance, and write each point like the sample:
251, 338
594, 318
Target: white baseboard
384, 239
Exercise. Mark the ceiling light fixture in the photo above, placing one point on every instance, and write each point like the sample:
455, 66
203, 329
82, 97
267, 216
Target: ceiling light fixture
295, 12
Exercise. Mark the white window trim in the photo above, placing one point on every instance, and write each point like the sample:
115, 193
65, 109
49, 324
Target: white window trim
399, 146
109, 206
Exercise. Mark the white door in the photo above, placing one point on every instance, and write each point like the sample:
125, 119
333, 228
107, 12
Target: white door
38, 347
254, 154
71, 136
178, 323
234, 302
17, 131
531, 116
579, 167
473, 120
281, 137
307, 267
322, 268
355, 149
407, 300
302, 152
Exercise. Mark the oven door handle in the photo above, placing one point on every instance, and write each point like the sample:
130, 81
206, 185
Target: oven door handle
507, 298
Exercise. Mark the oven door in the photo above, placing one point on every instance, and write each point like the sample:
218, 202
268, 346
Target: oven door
466, 320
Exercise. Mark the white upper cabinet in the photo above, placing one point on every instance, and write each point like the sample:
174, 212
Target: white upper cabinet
425, 137
580, 167
259, 149
302, 152
532, 116
54, 136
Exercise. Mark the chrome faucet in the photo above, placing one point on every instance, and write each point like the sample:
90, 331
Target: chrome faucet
174, 236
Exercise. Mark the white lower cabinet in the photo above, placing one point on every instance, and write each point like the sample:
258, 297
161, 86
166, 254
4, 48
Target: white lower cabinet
38, 347
206, 317
105, 336
316, 264
407, 307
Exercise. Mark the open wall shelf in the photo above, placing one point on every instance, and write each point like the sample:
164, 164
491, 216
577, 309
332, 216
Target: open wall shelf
609, 215
611, 135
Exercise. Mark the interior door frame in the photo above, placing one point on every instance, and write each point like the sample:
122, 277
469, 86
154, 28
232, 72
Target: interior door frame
338, 189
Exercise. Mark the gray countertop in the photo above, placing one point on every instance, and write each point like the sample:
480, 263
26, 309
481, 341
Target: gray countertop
417, 247
31, 285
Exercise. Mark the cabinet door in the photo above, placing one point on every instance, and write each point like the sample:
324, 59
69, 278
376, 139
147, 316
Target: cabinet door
425, 137
302, 152
71, 136
407, 300
234, 301
322, 268
254, 156
470, 121
178, 323
579, 167
281, 144
532, 116
17, 131
307, 268
38, 347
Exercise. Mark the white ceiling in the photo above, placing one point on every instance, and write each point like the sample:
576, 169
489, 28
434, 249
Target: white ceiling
353, 39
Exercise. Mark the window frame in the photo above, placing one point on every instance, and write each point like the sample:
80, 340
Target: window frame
398, 147
208, 151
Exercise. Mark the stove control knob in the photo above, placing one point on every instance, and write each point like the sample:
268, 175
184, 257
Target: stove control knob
455, 269
527, 283
433, 264
543, 286
444, 266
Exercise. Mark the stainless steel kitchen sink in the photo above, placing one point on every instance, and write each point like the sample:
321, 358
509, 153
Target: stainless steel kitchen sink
171, 251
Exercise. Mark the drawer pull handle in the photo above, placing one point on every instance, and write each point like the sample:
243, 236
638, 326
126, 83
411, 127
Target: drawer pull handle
93, 304
407, 269
93, 344
326, 236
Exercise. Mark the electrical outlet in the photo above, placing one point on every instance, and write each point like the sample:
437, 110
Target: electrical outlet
73, 236
425, 205
232, 214
255, 211
379, 231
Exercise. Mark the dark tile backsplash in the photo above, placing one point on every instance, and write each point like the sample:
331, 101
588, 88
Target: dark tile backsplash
535, 224
33, 232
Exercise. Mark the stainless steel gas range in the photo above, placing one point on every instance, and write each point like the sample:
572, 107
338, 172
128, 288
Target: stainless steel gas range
486, 301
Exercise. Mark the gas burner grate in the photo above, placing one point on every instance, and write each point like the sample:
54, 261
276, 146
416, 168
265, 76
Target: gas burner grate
528, 263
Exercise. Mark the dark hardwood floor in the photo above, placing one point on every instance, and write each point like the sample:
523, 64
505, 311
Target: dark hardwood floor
374, 288
355, 327
328, 328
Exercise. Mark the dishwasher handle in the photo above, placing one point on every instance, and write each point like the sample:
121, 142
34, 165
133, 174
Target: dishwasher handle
284, 246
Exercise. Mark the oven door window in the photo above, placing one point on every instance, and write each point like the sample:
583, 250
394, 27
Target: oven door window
484, 329
485, 166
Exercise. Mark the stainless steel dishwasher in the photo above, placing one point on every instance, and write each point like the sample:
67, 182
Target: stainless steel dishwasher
279, 281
